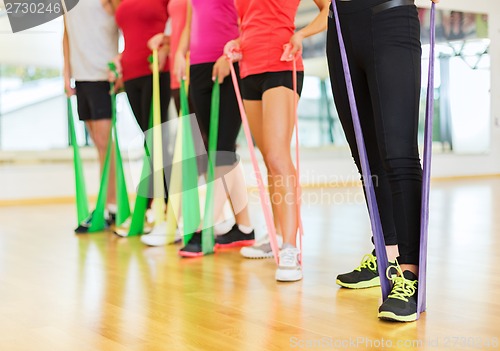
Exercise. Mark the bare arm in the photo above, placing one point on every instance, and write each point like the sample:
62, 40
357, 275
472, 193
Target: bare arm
110, 6
115, 3
318, 24
183, 48
184, 40
69, 90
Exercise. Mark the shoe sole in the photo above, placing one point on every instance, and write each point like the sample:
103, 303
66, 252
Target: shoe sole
258, 256
154, 244
190, 254
288, 275
125, 233
240, 243
88, 231
120, 233
165, 242
360, 285
391, 316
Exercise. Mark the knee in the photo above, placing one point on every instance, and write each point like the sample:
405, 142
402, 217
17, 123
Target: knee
277, 163
407, 168
101, 140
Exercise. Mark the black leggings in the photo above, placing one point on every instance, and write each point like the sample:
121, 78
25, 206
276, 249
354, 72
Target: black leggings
384, 54
201, 161
140, 94
229, 115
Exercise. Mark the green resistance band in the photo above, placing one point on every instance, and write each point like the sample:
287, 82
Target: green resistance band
122, 202
82, 205
207, 241
190, 197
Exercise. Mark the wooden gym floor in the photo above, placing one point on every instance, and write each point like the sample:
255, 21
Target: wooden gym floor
61, 292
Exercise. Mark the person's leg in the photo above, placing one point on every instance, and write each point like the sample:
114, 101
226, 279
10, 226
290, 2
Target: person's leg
99, 131
158, 235
252, 91
366, 275
167, 154
144, 119
254, 112
100, 105
200, 92
229, 128
278, 116
365, 110
84, 114
175, 93
94, 108
229, 172
395, 86
227, 178
134, 89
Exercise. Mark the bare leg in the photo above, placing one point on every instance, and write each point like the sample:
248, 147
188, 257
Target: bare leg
231, 182
238, 196
392, 252
255, 120
278, 116
410, 267
99, 131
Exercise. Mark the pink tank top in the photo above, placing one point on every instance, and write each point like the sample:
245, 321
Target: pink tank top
177, 10
214, 23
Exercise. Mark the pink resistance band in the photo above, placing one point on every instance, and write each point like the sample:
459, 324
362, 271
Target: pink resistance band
285, 57
264, 199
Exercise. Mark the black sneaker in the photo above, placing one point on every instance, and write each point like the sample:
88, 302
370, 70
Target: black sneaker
401, 304
84, 226
365, 276
235, 238
109, 217
193, 247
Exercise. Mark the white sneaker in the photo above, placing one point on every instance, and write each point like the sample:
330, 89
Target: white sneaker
261, 249
158, 236
289, 269
124, 228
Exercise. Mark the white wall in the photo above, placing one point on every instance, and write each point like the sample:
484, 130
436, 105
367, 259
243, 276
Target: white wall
40, 46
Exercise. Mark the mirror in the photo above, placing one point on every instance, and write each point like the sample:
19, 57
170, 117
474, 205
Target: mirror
462, 75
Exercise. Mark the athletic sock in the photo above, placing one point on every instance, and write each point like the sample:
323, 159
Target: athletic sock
112, 208
288, 246
245, 229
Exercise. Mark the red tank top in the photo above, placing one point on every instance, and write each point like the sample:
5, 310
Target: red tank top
266, 25
139, 20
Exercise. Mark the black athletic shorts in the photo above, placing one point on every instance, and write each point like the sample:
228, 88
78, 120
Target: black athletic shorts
254, 86
94, 101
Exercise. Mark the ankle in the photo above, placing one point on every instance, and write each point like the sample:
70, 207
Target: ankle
410, 267
392, 252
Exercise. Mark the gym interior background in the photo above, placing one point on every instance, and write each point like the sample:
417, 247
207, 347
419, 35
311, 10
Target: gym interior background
37, 214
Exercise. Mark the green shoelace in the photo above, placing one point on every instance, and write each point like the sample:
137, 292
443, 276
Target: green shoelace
402, 288
368, 261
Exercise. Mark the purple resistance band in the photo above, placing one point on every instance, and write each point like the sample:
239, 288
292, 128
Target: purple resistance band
376, 225
424, 216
